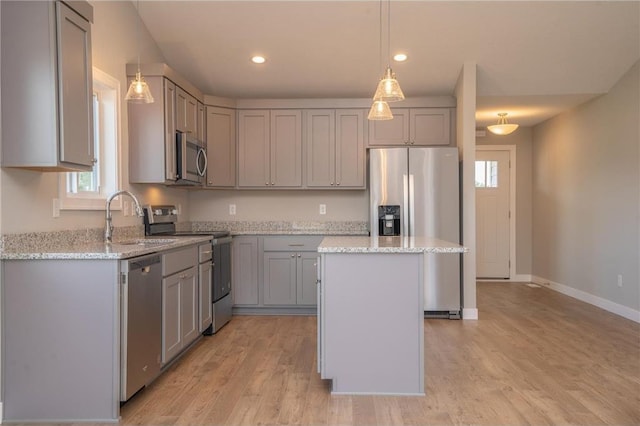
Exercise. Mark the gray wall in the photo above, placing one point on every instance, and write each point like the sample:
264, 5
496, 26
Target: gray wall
279, 205
521, 139
586, 195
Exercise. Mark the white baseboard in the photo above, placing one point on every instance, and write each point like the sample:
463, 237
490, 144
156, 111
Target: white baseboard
469, 313
520, 278
607, 305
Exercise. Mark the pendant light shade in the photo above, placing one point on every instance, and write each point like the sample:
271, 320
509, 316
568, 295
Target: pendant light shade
388, 89
380, 111
138, 92
503, 127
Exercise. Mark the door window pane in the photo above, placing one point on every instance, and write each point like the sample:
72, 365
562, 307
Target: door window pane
486, 174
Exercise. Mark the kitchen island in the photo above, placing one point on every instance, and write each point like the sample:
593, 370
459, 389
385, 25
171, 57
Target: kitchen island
371, 313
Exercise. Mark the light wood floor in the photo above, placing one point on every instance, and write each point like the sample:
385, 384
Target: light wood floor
534, 357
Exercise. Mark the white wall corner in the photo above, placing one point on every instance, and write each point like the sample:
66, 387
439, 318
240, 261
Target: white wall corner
607, 305
469, 313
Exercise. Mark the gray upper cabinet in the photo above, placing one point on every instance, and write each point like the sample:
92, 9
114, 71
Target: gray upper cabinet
270, 148
221, 147
412, 126
186, 112
47, 86
335, 150
152, 135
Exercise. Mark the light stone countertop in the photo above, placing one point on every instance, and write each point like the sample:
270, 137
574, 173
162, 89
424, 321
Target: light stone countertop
388, 245
123, 249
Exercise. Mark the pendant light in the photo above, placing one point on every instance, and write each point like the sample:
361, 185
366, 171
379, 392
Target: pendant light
503, 127
388, 89
139, 92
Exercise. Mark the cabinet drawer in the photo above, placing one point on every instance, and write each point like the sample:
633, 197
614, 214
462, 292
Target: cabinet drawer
205, 252
179, 260
292, 243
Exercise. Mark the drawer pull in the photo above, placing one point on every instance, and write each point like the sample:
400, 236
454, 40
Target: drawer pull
296, 245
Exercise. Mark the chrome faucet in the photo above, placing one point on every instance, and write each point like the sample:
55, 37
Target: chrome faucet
108, 232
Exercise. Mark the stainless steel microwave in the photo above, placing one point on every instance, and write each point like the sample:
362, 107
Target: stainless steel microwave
191, 158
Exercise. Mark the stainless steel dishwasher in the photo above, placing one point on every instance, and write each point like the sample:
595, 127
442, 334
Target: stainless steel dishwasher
141, 324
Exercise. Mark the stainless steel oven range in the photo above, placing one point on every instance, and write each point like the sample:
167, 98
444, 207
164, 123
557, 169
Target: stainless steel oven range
161, 220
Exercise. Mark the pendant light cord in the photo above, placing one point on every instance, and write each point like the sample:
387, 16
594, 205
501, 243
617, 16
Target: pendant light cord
380, 33
389, 33
138, 32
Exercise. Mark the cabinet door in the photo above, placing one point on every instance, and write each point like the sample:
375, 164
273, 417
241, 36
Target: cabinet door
186, 112
171, 331
307, 275
221, 147
170, 130
189, 305
279, 278
350, 151
429, 126
286, 148
390, 132
320, 147
75, 96
253, 148
245, 271
201, 123
204, 286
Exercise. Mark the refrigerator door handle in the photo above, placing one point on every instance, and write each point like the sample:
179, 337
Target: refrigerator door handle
412, 215
406, 229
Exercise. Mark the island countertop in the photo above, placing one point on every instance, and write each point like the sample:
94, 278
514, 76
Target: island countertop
360, 244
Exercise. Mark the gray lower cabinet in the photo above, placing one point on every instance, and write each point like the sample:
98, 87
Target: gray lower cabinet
180, 301
60, 340
47, 79
289, 278
244, 287
274, 272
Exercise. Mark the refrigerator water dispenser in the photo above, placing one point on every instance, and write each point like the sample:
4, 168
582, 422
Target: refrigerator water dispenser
388, 220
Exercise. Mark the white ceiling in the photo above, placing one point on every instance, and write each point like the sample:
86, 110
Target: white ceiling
534, 59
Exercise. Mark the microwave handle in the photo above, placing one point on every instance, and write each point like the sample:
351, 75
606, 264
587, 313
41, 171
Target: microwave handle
202, 152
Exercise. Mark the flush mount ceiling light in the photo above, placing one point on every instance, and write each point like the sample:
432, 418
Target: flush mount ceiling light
400, 57
388, 89
503, 127
139, 89
258, 59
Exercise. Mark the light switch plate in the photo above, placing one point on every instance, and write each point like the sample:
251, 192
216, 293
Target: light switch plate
56, 207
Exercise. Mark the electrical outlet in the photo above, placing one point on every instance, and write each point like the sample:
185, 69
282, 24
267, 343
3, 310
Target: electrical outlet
232, 209
323, 209
619, 280
56, 207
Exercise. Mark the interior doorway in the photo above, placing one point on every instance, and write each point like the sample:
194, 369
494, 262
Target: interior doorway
495, 211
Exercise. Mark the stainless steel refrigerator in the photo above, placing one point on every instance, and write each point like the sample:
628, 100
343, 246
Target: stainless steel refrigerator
415, 192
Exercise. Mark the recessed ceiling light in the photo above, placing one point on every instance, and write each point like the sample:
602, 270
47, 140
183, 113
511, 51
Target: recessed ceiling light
258, 60
400, 57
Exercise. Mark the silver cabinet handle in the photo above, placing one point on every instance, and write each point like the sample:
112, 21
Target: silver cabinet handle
299, 255
293, 255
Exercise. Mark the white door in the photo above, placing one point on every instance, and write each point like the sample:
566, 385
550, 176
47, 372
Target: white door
492, 210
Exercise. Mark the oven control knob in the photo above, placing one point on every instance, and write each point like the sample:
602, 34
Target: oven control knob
174, 211
157, 212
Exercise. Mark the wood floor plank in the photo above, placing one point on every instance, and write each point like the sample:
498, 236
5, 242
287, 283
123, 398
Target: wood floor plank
535, 357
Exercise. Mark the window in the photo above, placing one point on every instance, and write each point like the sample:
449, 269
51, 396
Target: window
486, 174
89, 190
